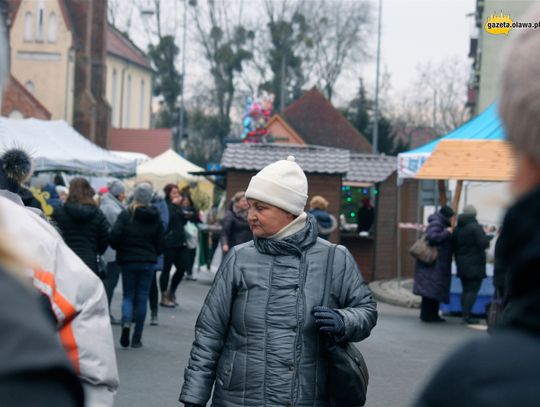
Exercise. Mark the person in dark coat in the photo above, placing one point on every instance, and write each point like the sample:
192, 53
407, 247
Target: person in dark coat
325, 221
432, 282
15, 170
235, 229
159, 203
175, 246
469, 244
137, 237
503, 369
191, 230
366, 216
83, 225
257, 338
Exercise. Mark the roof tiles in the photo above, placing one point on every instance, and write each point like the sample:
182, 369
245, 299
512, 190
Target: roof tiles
370, 168
312, 159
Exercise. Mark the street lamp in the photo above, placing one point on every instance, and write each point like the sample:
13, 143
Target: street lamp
375, 138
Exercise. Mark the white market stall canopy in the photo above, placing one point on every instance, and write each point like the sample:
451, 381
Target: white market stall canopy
56, 146
170, 167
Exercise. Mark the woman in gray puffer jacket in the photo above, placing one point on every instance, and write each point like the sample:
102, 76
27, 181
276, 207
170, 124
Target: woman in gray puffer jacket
258, 334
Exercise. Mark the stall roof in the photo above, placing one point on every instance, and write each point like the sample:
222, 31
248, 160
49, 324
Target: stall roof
312, 159
470, 160
169, 165
56, 146
485, 126
370, 168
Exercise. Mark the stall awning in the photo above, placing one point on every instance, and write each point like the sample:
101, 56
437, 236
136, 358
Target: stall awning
470, 160
56, 146
486, 126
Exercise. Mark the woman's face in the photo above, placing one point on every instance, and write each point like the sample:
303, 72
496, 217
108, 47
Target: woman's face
266, 220
174, 195
242, 204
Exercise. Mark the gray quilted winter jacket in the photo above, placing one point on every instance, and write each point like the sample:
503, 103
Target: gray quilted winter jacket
256, 337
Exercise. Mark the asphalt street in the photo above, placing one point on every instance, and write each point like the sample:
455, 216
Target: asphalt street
401, 353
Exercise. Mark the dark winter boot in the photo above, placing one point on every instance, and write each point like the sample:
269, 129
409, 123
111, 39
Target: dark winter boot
136, 342
154, 319
124, 338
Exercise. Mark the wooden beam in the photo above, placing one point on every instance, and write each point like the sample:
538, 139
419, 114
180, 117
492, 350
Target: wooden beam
442, 192
455, 201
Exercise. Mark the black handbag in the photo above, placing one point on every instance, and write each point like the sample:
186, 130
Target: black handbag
347, 373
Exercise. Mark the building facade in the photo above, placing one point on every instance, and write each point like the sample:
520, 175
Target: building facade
129, 82
43, 55
488, 50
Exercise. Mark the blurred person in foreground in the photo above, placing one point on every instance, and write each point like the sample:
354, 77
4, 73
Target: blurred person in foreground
78, 303
257, 336
235, 228
35, 370
470, 243
503, 370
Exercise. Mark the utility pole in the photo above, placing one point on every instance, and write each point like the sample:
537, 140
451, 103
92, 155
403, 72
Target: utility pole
375, 138
283, 83
181, 121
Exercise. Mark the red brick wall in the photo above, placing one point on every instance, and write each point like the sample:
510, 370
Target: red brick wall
328, 186
362, 249
16, 97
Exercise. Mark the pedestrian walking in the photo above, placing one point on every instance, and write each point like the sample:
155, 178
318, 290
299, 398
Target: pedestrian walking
432, 281
16, 169
502, 369
191, 229
258, 333
469, 244
235, 229
159, 203
112, 204
82, 224
175, 246
325, 221
137, 237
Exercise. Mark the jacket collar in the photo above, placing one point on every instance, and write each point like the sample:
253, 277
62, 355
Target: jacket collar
294, 244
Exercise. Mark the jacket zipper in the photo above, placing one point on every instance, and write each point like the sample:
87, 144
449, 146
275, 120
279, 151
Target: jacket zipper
300, 301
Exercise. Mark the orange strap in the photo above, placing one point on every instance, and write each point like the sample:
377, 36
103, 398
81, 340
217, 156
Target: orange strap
67, 336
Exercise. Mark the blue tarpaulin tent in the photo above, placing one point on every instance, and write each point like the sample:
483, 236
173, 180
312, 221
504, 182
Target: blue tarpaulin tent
485, 126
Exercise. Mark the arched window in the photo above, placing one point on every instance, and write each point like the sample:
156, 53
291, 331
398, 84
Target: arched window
29, 85
141, 106
113, 96
52, 27
40, 17
28, 27
15, 114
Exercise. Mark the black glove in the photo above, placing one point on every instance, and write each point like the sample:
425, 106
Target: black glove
329, 321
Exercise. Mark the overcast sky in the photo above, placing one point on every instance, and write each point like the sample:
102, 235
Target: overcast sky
418, 31
413, 32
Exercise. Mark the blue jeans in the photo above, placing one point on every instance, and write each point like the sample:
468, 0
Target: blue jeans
136, 280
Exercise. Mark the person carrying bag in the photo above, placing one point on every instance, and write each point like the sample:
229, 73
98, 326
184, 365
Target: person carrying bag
347, 372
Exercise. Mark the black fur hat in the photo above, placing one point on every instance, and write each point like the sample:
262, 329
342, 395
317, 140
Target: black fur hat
15, 169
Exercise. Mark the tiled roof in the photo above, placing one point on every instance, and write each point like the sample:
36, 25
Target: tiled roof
119, 45
151, 142
319, 123
370, 168
312, 159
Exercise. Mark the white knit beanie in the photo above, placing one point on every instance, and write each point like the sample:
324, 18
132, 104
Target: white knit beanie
282, 184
